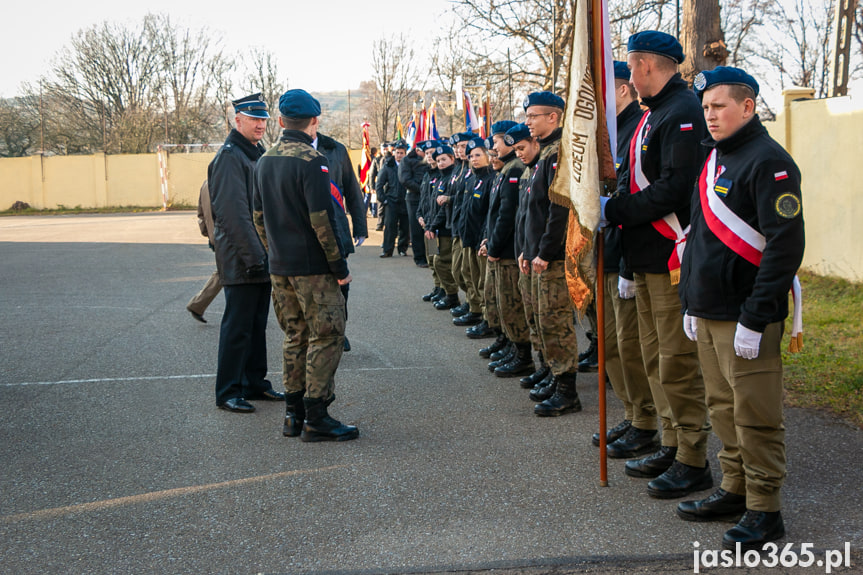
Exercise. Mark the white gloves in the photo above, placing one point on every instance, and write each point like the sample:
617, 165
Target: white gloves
359, 241
602, 221
690, 326
626, 288
746, 342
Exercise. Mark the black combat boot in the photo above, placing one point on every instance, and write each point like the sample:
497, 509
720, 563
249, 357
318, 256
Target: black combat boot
591, 348
754, 530
495, 346
614, 433
544, 389
719, 506
470, 318
564, 400
429, 296
531, 380
521, 364
502, 352
634, 443
460, 309
440, 295
510, 350
588, 361
480, 331
653, 465
448, 301
295, 413
680, 479
319, 426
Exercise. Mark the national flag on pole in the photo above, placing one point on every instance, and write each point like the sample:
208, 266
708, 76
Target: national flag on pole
431, 132
421, 125
471, 121
366, 157
399, 128
411, 133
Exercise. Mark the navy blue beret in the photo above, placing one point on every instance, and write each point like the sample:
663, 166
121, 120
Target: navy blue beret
489, 143
621, 71
425, 145
461, 137
442, 149
502, 126
253, 106
516, 134
476, 143
544, 99
656, 43
299, 104
723, 75
401, 145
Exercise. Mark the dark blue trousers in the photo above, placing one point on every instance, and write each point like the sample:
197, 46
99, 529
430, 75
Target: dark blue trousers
242, 342
418, 244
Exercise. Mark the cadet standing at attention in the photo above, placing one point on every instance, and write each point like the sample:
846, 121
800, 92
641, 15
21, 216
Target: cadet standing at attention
744, 249
295, 218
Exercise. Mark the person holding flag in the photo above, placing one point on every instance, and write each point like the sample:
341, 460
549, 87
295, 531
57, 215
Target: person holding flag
652, 204
744, 249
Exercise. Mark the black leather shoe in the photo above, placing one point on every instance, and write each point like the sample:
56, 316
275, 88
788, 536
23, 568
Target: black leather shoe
679, 480
589, 365
267, 395
319, 426
295, 413
470, 318
634, 443
449, 301
504, 358
521, 364
531, 380
502, 352
197, 316
754, 530
431, 294
495, 346
480, 331
460, 310
564, 400
347, 344
441, 294
544, 389
386, 255
653, 465
613, 434
591, 349
237, 405
719, 506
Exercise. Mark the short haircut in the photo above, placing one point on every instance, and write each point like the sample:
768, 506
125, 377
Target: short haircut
374, 151
739, 93
618, 82
296, 123
662, 62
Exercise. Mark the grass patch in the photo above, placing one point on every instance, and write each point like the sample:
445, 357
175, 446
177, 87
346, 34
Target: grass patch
828, 374
64, 210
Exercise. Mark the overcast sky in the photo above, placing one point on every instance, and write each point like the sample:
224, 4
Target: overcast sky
328, 45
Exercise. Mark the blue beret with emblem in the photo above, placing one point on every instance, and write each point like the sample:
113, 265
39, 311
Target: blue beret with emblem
253, 106
476, 143
544, 98
489, 143
502, 126
299, 104
461, 137
400, 145
516, 134
621, 71
723, 75
442, 149
655, 42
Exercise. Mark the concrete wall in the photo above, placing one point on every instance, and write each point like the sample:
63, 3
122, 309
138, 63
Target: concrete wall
826, 137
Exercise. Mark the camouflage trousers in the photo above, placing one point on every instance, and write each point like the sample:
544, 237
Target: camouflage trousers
443, 265
473, 273
512, 316
491, 311
457, 256
524, 287
555, 321
311, 312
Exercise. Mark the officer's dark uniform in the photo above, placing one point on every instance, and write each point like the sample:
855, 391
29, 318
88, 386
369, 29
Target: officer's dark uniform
670, 158
759, 183
388, 188
411, 172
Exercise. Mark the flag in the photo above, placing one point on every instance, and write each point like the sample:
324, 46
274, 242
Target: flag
399, 129
421, 124
366, 157
411, 132
585, 157
431, 131
470, 120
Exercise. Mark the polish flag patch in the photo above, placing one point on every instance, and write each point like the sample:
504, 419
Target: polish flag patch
325, 169
554, 166
513, 180
783, 175
685, 127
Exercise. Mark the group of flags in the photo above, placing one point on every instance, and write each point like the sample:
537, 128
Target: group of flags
422, 125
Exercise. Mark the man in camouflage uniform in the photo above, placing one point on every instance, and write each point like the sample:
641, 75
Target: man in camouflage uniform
295, 218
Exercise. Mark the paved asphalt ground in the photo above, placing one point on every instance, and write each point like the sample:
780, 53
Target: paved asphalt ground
114, 458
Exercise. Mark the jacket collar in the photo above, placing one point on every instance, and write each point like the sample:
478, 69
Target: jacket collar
676, 84
551, 138
752, 129
252, 151
633, 109
297, 136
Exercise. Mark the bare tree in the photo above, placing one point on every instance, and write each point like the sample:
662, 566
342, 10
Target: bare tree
19, 128
264, 76
395, 82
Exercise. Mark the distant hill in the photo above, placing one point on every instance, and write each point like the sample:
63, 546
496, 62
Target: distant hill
334, 102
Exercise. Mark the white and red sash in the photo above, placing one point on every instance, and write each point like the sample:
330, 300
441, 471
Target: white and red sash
742, 239
669, 226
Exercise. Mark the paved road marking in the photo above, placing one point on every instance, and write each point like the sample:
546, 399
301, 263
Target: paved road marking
57, 512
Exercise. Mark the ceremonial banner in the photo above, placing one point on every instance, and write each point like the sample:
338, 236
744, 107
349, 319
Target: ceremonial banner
471, 121
366, 159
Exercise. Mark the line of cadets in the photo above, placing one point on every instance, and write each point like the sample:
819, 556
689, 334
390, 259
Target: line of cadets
492, 232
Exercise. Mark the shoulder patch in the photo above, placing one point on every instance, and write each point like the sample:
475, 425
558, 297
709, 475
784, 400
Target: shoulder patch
788, 206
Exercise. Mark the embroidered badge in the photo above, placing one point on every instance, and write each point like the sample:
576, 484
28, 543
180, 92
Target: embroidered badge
722, 186
685, 127
788, 205
779, 176
325, 169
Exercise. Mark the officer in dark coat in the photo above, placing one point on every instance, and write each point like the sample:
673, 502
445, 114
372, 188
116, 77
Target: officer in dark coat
743, 251
411, 171
242, 263
390, 190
